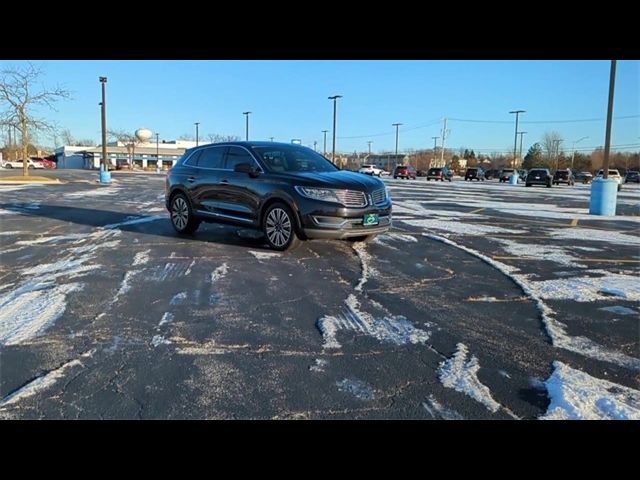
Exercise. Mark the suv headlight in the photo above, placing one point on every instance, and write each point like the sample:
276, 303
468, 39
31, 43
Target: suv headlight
324, 194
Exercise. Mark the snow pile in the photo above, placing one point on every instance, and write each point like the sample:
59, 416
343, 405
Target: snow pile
219, 272
389, 329
551, 253
577, 396
462, 376
460, 228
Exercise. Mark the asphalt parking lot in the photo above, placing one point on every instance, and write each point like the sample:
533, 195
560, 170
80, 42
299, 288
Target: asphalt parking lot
484, 301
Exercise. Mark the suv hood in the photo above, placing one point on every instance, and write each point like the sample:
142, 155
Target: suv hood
341, 179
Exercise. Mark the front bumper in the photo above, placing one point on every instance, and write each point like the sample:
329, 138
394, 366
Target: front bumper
349, 228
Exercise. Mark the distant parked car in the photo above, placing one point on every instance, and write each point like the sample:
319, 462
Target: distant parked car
405, 171
474, 173
613, 174
440, 173
18, 164
491, 173
632, 177
505, 174
539, 176
523, 174
563, 176
370, 170
123, 164
48, 163
584, 177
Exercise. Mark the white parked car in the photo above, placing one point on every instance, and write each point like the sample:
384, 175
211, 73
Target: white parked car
18, 164
613, 174
371, 170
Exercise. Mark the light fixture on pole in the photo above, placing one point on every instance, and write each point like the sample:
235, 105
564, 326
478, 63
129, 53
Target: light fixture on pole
246, 114
335, 106
105, 176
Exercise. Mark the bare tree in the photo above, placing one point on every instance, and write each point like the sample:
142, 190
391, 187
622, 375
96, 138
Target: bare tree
67, 138
217, 138
19, 95
188, 137
550, 145
129, 140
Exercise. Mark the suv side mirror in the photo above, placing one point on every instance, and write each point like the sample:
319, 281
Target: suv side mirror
247, 168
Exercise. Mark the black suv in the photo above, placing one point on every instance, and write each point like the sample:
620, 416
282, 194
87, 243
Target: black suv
439, 173
474, 173
539, 176
563, 176
288, 191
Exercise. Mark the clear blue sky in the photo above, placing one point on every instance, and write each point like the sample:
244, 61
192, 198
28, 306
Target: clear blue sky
289, 100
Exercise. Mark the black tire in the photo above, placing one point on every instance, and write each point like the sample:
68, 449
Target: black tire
428, 179
8, 165
181, 214
549, 185
395, 178
527, 184
279, 227
619, 186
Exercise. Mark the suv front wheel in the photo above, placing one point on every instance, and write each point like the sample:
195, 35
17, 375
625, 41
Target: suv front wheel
182, 217
279, 227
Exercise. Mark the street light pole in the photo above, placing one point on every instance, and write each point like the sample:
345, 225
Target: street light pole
573, 150
397, 125
196, 124
521, 134
315, 143
104, 177
515, 140
435, 151
246, 114
369, 143
557, 151
324, 151
333, 150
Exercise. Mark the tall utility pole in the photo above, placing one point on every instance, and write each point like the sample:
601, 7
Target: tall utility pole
246, 114
324, 150
515, 139
333, 150
607, 140
435, 146
573, 149
396, 125
103, 81
196, 124
315, 144
444, 137
369, 144
521, 134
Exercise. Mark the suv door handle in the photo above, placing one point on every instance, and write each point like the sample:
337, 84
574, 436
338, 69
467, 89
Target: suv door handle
191, 179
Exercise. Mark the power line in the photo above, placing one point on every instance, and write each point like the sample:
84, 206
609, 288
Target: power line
544, 121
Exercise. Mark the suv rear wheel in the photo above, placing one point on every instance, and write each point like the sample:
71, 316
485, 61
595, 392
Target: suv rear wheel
279, 227
182, 217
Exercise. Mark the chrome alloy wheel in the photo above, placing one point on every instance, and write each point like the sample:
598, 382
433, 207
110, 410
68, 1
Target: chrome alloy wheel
180, 213
278, 227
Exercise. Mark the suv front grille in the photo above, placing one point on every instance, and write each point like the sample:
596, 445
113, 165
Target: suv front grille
379, 196
352, 198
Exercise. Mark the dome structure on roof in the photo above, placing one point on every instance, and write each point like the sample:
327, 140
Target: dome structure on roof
144, 134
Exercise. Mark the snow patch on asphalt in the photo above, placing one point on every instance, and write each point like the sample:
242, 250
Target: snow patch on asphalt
135, 221
365, 261
555, 329
219, 272
158, 340
178, 298
141, 258
264, 255
594, 235
27, 315
589, 289
552, 253
576, 395
319, 365
167, 317
389, 329
462, 376
97, 192
357, 388
43, 382
620, 310
438, 412
460, 228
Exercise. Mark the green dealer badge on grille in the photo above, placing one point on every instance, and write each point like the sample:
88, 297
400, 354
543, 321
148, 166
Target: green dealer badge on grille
371, 219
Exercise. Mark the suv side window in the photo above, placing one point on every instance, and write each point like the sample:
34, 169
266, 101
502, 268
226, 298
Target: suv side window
212, 158
236, 155
192, 161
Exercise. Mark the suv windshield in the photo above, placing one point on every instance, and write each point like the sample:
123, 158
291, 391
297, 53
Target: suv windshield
285, 158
